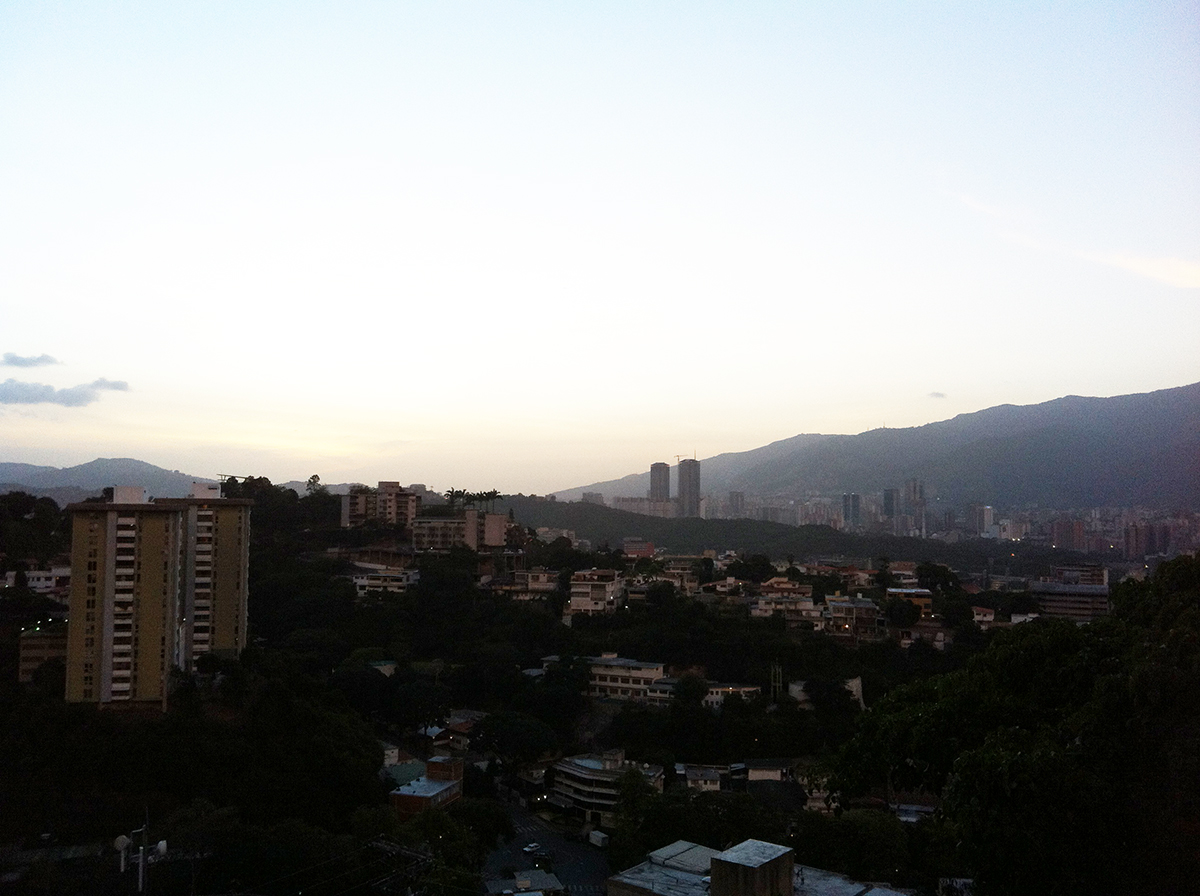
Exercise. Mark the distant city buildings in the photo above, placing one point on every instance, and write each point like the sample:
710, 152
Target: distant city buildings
689, 488
660, 483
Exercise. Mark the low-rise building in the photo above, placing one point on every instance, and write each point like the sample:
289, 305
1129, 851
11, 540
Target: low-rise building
922, 598
39, 644
596, 591
590, 784
797, 612
622, 679
662, 692
53, 582
984, 617
440, 786
369, 577
751, 868
468, 529
534, 584
854, 619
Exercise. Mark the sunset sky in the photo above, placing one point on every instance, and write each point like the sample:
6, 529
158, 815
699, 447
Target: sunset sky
530, 246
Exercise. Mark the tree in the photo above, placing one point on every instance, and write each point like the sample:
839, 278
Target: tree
313, 486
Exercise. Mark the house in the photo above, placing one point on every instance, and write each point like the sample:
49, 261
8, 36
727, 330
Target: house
705, 778
984, 617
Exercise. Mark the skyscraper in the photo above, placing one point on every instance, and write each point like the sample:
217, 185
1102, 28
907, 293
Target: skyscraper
851, 512
689, 487
154, 586
660, 482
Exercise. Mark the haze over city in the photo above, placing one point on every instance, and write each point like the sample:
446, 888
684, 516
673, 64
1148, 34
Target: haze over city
531, 246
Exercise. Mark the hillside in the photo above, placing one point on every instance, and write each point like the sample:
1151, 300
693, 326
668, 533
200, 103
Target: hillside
68, 484
1071, 452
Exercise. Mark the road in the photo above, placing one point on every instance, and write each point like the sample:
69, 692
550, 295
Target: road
582, 868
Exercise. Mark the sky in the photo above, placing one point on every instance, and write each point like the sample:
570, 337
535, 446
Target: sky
529, 246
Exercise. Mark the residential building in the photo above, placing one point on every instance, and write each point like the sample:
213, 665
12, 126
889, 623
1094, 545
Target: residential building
534, 584
689, 488
623, 679
851, 512
1079, 593
590, 784
54, 582
921, 597
440, 786
39, 644
469, 529
662, 691
854, 618
646, 507
751, 868
154, 585
660, 482
388, 504
797, 612
596, 591
369, 577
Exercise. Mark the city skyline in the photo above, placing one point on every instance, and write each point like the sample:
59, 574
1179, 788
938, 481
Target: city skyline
286, 240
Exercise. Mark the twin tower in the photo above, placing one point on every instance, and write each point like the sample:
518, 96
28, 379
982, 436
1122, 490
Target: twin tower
689, 485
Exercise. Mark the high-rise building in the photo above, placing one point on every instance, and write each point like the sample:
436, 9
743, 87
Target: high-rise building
689, 487
891, 503
154, 586
851, 511
660, 482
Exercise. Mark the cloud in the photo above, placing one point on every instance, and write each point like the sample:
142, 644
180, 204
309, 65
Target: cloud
12, 360
937, 394
17, 392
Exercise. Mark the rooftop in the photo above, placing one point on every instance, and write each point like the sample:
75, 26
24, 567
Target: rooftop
427, 787
753, 853
684, 856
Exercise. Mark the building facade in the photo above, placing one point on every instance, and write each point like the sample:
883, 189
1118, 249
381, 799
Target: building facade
689, 488
155, 585
660, 482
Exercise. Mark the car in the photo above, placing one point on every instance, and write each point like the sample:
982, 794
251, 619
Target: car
531, 847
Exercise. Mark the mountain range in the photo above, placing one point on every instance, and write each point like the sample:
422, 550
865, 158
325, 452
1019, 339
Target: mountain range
1072, 452
67, 485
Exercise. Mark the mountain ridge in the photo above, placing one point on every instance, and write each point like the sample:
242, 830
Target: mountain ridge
1140, 449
